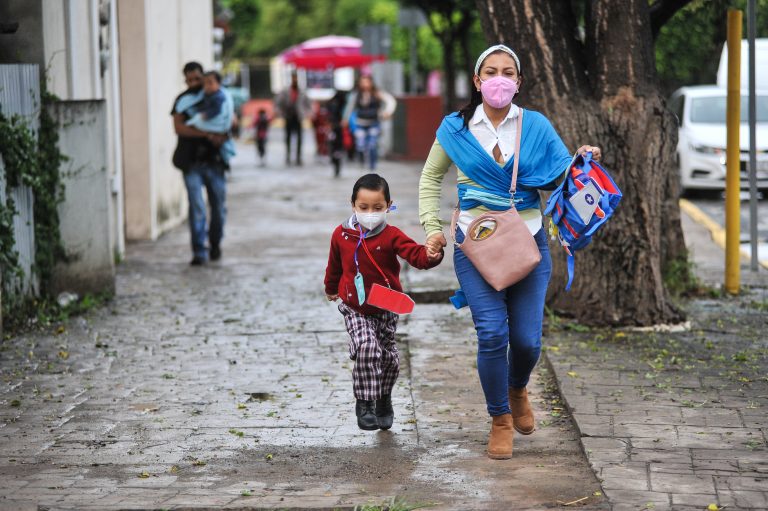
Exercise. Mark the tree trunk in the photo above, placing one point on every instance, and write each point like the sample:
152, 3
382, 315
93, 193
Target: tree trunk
449, 66
604, 92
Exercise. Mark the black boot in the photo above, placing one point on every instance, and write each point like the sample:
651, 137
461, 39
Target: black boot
366, 415
384, 412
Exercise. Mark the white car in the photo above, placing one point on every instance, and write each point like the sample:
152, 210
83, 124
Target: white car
700, 111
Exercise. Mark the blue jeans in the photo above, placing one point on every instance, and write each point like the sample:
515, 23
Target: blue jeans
367, 143
212, 178
508, 324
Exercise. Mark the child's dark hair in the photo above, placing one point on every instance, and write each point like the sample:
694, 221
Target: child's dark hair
214, 74
372, 182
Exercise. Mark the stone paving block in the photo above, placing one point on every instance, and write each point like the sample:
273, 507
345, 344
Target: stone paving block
697, 500
625, 477
736, 483
671, 468
716, 467
716, 417
594, 425
657, 455
681, 483
668, 433
742, 456
604, 444
581, 404
637, 500
744, 499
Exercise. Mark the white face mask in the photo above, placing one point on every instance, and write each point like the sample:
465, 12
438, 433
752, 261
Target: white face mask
371, 220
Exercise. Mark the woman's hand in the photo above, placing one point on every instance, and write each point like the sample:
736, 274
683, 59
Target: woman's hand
596, 154
435, 244
332, 298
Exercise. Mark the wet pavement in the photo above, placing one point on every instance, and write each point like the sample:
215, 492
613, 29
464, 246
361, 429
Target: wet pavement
228, 386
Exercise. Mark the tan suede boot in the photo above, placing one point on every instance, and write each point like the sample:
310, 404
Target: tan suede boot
500, 441
522, 413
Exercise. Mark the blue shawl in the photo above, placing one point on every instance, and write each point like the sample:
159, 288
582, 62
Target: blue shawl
188, 104
543, 158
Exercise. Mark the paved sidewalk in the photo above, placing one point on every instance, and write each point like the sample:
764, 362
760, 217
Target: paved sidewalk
676, 420
229, 386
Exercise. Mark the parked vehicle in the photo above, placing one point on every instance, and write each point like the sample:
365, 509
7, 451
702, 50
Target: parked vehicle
700, 111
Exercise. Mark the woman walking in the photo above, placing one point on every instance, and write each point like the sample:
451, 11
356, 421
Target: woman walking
369, 106
480, 140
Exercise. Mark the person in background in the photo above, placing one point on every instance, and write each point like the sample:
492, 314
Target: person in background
369, 106
215, 113
293, 106
261, 126
336, 147
322, 126
198, 156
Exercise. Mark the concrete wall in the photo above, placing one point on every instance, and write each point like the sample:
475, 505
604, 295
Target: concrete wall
67, 38
85, 212
156, 39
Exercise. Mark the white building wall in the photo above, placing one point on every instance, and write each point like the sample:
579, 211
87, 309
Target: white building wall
172, 33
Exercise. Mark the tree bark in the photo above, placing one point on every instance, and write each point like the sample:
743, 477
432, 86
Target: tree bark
604, 92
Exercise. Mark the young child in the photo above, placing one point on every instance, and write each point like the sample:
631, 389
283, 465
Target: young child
262, 127
215, 113
214, 97
365, 246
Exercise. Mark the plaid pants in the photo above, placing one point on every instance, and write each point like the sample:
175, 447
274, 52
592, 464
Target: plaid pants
372, 346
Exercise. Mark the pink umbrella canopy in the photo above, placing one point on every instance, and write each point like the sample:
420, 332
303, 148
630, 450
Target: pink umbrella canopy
328, 52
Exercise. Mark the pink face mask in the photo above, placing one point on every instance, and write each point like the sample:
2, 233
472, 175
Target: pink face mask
498, 91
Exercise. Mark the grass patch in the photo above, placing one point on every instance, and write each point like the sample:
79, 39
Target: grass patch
42, 314
393, 504
680, 279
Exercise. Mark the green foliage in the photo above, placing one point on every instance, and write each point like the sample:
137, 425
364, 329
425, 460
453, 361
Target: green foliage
49, 193
47, 313
261, 29
32, 162
17, 148
689, 45
681, 281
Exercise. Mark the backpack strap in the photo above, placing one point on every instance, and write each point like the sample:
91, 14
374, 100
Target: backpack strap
571, 270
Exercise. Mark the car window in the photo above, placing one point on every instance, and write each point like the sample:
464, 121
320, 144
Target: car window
712, 109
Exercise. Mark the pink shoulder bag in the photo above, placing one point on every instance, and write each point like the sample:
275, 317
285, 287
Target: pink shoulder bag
498, 243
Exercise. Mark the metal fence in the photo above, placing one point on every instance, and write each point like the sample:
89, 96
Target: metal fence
20, 95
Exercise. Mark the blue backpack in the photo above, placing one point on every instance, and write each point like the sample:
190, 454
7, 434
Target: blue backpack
583, 202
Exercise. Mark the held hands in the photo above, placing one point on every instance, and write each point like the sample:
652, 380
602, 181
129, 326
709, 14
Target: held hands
332, 298
596, 154
435, 244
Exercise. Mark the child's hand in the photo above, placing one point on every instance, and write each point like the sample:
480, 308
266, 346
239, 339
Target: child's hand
332, 298
436, 242
434, 255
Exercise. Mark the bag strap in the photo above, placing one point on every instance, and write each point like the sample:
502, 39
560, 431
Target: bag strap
365, 247
516, 156
513, 186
